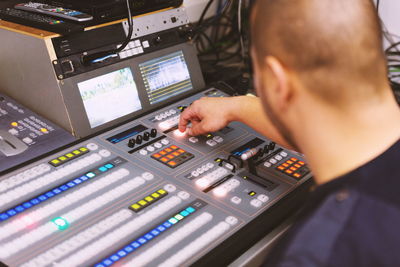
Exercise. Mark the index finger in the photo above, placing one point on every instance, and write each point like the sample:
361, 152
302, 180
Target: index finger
186, 116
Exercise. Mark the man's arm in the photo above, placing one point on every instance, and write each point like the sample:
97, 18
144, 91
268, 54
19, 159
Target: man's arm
212, 114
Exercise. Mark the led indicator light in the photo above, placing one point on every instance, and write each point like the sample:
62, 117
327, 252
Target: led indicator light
61, 223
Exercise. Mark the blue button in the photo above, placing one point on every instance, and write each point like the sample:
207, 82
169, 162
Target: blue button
167, 224
42, 197
142, 240
103, 169
83, 178
128, 249
114, 257
11, 212
148, 236
77, 181
135, 244
27, 205
35, 201
109, 166
49, 194
155, 232
107, 262
4, 216
71, 184
121, 253
63, 187
161, 228
57, 191
190, 209
185, 213
19, 208
99, 265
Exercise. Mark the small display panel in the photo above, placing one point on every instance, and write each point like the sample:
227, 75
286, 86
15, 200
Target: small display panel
109, 96
165, 77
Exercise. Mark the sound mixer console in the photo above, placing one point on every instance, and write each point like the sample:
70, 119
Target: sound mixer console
144, 194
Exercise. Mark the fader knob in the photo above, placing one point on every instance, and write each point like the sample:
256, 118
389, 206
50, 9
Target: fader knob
139, 139
271, 146
153, 133
146, 136
266, 149
131, 143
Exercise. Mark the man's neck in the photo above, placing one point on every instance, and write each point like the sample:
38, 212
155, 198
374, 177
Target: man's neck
335, 143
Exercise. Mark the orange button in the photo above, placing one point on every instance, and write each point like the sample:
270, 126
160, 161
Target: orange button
168, 150
181, 151
281, 168
170, 156
162, 152
301, 162
289, 162
176, 153
293, 168
172, 163
289, 171
157, 155
297, 165
285, 165
294, 159
174, 147
164, 159
296, 175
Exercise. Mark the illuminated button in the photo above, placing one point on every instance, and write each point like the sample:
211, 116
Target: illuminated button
69, 155
193, 139
76, 152
296, 175
175, 154
267, 164
179, 133
142, 203
289, 171
14, 124
164, 159
168, 150
170, 156
173, 147
293, 168
289, 162
83, 149
195, 174
278, 157
162, 152
62, 158
44, 130
172, 163
155, 195
172, 111
293, 159
55, 161
61, 223
13, 131
149, 199
181, 151
281, 168
283, 154
263, 198
168, 187
178, 217
297, 165
285, 165
256, 203
136, 206
273, 161
156, 155
252, 193
92, 146
165, 141
301, 162
148, 176
150, 148
143, 152
145, 44
173, 221
236, 200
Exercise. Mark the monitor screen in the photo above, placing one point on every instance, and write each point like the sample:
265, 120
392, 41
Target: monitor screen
165, 77
109, 96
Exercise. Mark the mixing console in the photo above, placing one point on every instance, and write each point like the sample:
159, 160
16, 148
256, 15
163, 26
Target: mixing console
144, 194
25, 135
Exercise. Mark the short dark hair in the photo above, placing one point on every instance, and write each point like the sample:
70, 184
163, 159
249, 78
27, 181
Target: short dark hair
330, 43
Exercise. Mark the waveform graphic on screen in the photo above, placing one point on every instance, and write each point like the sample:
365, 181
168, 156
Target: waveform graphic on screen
165, 77
109, 96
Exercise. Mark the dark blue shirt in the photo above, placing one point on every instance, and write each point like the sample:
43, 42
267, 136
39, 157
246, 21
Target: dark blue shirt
353, 220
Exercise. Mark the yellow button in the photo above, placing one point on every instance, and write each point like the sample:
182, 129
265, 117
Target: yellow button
135, 206
76, 152
44, 130
69, 155
62, 158
83, 149
155, 195
162, 192
142, 202
55, 161
149, 199
15, 124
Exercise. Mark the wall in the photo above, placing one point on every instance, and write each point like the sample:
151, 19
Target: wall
389, 13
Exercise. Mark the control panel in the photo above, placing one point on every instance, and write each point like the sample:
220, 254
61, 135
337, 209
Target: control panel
145, 194
25, 135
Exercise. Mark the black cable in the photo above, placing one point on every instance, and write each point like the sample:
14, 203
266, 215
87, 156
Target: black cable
377, 5
88, 59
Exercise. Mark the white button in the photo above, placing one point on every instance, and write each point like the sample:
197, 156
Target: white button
231, 220
105, 153
283, 154
150, 148
158, 118
272, 161
137, 43
27, 140
211, 143
148, 176
195, 174
165, 141
143, 152
229, 166
123, 55
163, 115
170, 188
278, 157
167, 113
236, 200
145, 44
218, 139
92, 146
193, 139
129, 53
263, 198
183, 195
132, 44
13, 131
256, 203
140, 49
172, 111
210, 165
267, 164
157, 145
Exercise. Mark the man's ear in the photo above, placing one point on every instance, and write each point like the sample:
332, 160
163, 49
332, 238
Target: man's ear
280, 91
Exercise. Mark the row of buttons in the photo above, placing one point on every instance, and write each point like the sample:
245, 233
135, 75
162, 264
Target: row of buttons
212, 177
211, 142
294, 168
69, 156
228, 186
200, 170
133, 48
172, 156
168, 124
257, 202
275, 159
152, 148
164, 115
148, 200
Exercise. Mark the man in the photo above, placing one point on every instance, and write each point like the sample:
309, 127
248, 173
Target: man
320, 74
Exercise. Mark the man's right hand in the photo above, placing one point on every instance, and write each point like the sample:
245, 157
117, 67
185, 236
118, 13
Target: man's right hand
209, 114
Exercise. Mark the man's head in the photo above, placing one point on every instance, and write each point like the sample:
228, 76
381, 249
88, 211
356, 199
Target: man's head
327, 50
